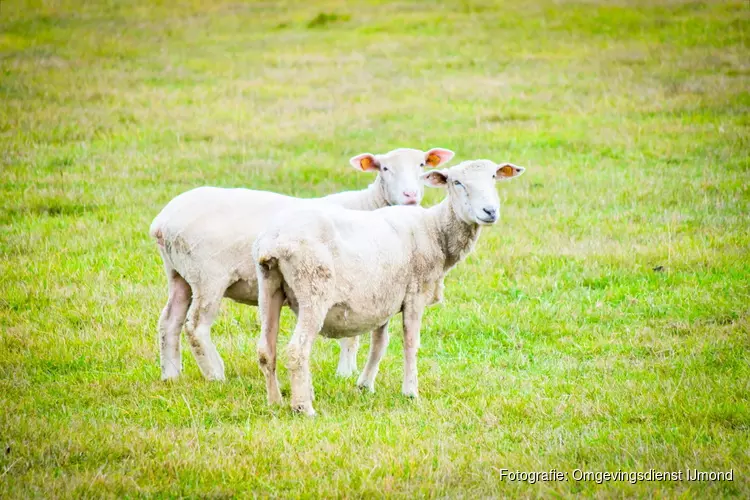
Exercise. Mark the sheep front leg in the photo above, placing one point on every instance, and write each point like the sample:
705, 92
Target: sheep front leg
378, 347
347, 356
309, 323
412, 323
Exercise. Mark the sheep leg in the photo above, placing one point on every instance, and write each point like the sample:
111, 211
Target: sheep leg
270, 300
348, 356
309, 322
170, 324
412, 324
378, 346
200, 317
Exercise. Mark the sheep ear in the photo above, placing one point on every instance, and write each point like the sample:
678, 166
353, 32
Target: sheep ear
366, 162
435, 178
437, 156
507, 171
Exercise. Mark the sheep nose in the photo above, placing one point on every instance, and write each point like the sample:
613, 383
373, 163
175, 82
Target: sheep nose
410, 197
491, 212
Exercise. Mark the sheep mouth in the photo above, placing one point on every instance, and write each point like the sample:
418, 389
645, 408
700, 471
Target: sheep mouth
410, 202
487, 220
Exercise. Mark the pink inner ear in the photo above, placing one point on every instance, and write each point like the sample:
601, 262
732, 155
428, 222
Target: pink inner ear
364, 162
508, 170
438, 156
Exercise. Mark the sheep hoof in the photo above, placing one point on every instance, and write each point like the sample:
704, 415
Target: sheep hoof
304, 409
364, 385
344, 372
275, 400
170, 371
346, 368
410, 393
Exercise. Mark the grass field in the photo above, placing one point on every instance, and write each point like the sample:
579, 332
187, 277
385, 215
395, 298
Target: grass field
603, 324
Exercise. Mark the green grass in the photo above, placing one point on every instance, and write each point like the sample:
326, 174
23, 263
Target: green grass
603, 324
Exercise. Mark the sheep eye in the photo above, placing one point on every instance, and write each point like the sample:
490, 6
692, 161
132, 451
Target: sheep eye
385, 169
421, 164
457, 183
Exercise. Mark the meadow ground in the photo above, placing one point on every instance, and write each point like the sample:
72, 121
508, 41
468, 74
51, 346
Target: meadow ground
603, 324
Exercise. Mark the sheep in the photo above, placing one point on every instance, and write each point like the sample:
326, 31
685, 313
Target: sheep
345, 272
205, 237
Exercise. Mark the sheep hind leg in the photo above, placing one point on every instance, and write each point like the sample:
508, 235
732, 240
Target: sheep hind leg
270, 300
309, 323
171, 322
200, 317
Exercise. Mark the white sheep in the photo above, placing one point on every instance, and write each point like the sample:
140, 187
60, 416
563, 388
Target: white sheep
205, 238
345, 272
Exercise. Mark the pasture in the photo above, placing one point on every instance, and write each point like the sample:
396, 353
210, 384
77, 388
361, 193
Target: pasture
603, 324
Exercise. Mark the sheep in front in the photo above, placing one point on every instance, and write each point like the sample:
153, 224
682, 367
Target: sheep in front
205, 237
344, 272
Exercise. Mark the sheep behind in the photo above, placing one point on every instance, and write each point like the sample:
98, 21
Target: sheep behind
205, 238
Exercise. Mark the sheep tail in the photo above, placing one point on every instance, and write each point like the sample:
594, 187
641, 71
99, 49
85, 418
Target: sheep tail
155, 231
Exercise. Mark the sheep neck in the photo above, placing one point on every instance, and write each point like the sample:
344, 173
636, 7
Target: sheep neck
456, 237
370, 198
